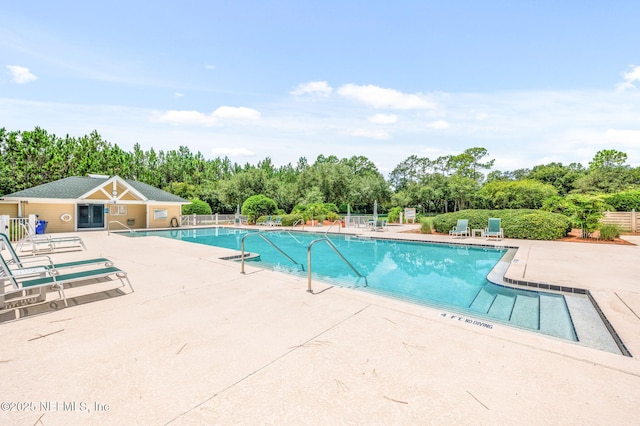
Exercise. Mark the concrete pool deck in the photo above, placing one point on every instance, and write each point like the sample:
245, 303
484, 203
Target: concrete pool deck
200, 343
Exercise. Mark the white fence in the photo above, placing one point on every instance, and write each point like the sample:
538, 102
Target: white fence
211, 219
12, 226
627, 221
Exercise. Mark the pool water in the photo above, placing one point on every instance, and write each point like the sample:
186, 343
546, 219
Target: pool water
450, 276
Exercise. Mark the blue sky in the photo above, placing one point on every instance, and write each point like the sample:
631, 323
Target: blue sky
531, 81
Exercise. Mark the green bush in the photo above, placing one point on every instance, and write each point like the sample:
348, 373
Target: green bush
520, 223
258, 205
624, 201
332, 216
196, 207
394, 214
287, 219
425, 225
609, 231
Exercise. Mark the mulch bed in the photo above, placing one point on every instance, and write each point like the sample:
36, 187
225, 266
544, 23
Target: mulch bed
573, 237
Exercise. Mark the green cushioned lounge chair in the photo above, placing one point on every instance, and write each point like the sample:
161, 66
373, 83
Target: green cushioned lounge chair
494, 229
461, 229
45, 261
16, 285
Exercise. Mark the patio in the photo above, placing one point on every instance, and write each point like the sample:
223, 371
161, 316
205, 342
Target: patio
200, 343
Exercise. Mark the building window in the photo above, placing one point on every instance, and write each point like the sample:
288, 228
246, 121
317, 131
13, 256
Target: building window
160, 214
118, 210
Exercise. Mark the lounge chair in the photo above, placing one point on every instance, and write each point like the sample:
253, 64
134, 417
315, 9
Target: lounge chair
461, 229
45, 261
17, 285
379, 225
265, 222
276, 222
494, 229
50, 244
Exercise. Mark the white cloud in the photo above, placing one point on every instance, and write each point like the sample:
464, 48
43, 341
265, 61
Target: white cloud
232, 152
210, 67
320, 88
440, 124
238, 113
200, 119
187, 117
372, 134
628, 138
384, 118
21, 75
379, 97
630, 78
179, 95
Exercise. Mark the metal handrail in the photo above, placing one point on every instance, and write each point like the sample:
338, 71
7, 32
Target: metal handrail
118, 222
331, 226
297, 222
272, 244
335, 249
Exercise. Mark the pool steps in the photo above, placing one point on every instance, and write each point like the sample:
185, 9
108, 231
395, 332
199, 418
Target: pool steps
532, 311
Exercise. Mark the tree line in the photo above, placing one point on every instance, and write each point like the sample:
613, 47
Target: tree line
447, 183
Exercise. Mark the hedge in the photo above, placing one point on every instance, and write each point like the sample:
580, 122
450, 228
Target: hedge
624, 201
287, 219
520, 223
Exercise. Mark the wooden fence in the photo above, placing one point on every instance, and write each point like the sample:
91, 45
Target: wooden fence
627, 221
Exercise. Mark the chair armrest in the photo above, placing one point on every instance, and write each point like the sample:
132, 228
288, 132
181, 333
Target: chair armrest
34, 261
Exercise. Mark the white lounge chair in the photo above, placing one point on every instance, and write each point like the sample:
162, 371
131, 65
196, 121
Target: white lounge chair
48, 243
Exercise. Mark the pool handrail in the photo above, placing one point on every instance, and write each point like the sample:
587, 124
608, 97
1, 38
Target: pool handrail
339, 222
261, 235
335, 249
119, 223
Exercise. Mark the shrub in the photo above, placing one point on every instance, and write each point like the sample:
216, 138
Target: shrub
425, 225
521, 223
394, 214
196, 207
539, 225
258, 205
624, 201
287, 219
332, 216
585, 211
609, 231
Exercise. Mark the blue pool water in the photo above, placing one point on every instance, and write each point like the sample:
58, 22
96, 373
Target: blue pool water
450, 276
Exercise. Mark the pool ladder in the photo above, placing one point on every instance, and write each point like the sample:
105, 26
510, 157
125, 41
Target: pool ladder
335, 249
259, 234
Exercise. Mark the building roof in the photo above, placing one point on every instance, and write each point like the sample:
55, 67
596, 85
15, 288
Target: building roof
75, 187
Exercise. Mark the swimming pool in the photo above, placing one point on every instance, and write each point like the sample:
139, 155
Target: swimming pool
442, 275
